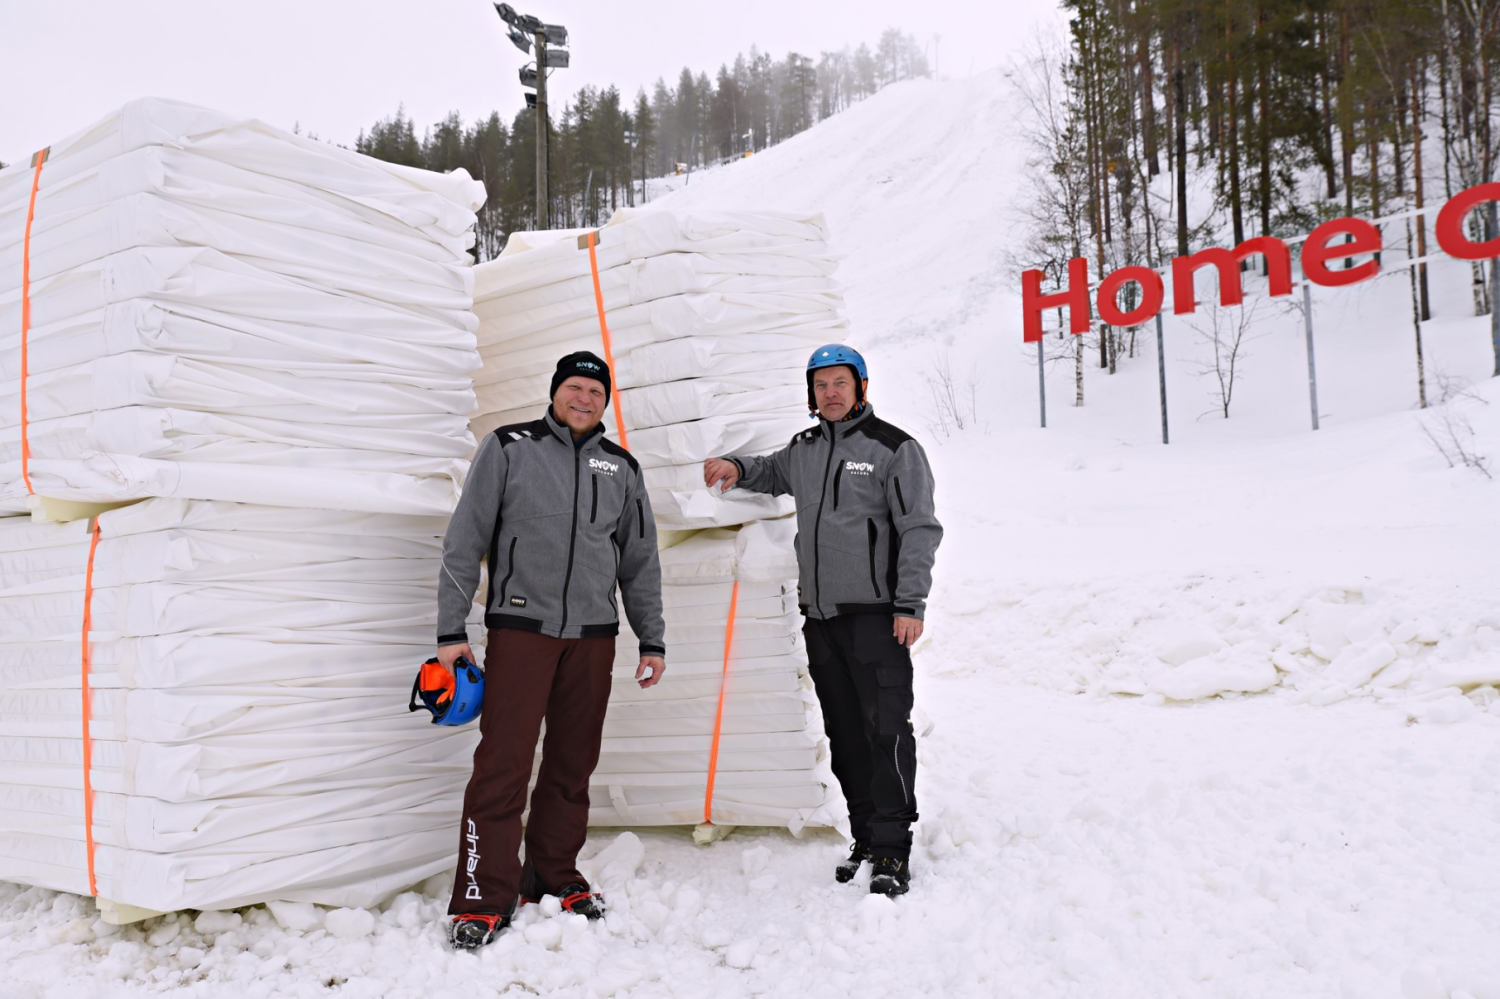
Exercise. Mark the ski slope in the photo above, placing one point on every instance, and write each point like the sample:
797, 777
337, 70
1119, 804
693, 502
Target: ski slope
1104, 813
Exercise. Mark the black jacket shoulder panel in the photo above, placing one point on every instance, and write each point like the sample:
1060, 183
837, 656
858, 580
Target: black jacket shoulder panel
878, 430
610, 447
509, 434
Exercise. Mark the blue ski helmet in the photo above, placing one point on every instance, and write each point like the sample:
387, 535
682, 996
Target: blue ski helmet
453, 698
832, 355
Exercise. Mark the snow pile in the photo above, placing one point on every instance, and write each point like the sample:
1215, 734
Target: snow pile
216, 309
711, 316
1184, 639
249, 668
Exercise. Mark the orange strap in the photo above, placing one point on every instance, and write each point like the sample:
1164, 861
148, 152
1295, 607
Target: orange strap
713, 751
88, 743
609, 354
36, 181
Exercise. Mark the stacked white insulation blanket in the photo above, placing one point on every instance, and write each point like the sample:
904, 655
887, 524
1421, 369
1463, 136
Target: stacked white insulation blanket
659, 743
216, 309
249, 668
710, 318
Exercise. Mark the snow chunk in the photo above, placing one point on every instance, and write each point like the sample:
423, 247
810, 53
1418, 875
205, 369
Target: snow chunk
755, 860
299, 917
1188, 648
212, 921
350, 924
611, 867
741, 953
1206, 677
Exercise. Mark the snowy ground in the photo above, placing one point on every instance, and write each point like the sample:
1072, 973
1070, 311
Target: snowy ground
1096, 822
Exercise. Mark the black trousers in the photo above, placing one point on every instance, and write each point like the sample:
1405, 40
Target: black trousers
863, 679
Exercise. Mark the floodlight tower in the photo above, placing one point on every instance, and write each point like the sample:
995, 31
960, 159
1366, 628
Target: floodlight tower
526, 30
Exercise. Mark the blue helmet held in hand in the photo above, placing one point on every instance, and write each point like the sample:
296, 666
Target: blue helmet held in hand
832, 355
453, 698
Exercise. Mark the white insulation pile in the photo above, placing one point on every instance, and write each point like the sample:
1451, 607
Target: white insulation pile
248, 671
710, 317
220, 310
267, 339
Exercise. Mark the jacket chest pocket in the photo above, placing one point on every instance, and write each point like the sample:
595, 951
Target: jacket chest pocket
855, 482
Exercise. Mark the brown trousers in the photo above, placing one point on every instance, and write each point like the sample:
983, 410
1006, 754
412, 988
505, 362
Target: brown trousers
529, 677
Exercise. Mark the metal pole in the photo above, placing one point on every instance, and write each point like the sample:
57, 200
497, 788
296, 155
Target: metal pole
1161, 377
1041, 379
1312, 370
543, 215
1493, 227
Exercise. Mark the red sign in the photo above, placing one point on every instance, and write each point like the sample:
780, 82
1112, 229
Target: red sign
1335, 240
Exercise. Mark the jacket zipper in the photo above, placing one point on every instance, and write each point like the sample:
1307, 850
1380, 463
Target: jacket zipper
899, 498
594, 505
640, 518
833, 439
874, 533
572, 542
510, 570
836, 480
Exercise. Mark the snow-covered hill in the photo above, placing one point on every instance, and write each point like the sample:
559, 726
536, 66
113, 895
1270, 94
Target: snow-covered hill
1095, 823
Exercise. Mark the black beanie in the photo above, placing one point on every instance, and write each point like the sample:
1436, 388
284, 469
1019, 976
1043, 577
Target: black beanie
583, 364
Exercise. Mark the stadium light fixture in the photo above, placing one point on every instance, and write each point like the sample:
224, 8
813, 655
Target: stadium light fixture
525, 30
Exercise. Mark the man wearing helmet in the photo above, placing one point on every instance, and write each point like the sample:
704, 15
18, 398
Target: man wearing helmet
867, 534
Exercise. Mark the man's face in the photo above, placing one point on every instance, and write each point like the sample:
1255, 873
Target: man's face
833, 388
579, 404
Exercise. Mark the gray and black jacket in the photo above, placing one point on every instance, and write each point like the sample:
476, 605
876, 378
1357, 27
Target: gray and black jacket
867, 531
560, 524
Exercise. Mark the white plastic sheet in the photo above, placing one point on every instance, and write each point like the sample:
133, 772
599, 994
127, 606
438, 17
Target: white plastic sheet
249, 670
221, 310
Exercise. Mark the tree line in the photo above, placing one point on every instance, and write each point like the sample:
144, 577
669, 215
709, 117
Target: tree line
1162, 126
602, 148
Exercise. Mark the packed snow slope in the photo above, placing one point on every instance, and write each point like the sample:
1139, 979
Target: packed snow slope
1103, 812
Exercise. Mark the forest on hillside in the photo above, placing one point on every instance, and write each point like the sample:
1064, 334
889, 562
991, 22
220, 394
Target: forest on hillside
604, 147
1164, 126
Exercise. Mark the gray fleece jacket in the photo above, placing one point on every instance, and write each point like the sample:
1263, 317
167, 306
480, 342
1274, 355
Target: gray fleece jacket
559, 524
867, 530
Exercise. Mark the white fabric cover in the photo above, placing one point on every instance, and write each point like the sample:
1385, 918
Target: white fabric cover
712, 316
221, 310
249, 672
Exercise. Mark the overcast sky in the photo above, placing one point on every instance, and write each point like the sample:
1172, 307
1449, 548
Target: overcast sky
336, 66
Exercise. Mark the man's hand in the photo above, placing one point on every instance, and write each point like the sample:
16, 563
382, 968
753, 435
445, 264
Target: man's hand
656, 664
717, 469
908, 630
448, 654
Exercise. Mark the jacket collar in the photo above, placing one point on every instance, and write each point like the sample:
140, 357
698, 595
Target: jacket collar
845, 427
562, 433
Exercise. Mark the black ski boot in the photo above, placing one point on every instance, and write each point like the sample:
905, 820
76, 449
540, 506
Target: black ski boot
472, 930
892, 877
576, 897
845, 871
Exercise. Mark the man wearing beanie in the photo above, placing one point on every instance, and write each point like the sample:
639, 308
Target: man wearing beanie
867, 534
561, 515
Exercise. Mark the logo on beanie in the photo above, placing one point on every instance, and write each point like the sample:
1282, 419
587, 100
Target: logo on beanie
590, 365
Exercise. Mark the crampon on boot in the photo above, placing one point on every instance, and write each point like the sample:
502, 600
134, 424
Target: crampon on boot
891, 877
846, 869
472, 930
576, 897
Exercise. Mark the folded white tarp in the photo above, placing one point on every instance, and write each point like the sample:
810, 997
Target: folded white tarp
711, 316
220, 310
249, 669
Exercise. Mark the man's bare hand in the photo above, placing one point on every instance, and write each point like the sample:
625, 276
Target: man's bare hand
656, 664
448, 654
908, 630
718, 469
